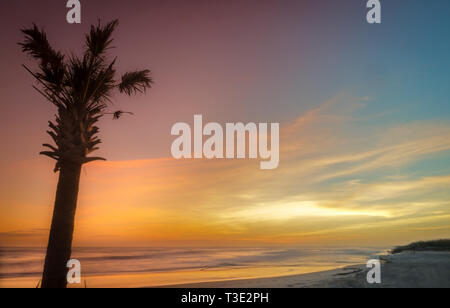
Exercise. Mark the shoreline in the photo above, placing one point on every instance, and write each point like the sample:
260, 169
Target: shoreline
404, 270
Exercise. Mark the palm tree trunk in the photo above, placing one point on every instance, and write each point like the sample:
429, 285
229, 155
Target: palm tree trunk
59, 246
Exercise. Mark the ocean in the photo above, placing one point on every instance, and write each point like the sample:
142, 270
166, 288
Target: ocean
146, 267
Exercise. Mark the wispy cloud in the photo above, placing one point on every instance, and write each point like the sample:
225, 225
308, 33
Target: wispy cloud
330, 184
20, 234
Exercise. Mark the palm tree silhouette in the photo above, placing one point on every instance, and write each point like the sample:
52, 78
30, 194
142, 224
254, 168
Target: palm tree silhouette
81, 89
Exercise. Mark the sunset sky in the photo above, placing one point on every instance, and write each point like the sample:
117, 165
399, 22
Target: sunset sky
364, 115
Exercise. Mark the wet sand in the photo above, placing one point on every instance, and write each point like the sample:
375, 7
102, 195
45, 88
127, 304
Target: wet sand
404, 270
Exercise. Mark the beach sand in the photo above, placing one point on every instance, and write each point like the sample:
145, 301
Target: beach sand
404, 270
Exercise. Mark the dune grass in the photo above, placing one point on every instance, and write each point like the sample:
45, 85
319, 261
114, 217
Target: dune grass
436, 245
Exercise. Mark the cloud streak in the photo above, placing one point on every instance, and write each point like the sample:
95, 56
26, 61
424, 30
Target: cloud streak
329, 186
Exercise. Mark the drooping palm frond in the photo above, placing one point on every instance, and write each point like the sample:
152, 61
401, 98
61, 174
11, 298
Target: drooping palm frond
99, 40
134, 82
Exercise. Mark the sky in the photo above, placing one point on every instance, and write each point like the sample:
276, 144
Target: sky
364, 117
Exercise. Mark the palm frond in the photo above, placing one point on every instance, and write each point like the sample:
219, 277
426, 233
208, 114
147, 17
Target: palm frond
134, 82
101, 86
36, 44
99, 40
51, 62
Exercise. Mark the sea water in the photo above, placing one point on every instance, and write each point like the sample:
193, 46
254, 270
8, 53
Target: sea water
150, 266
